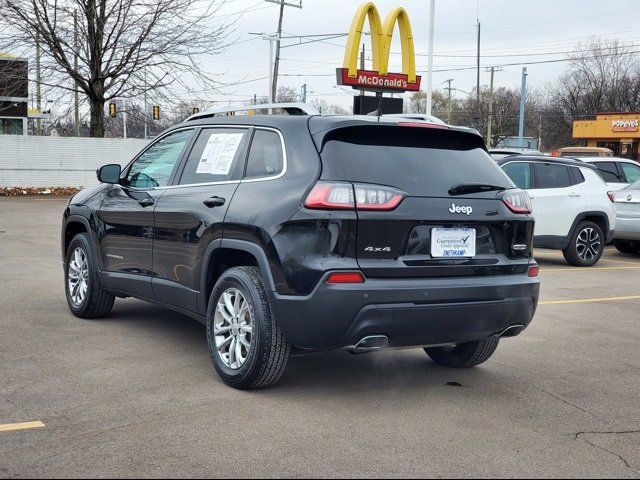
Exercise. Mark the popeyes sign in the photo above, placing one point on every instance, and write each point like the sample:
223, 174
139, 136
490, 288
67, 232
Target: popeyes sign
625, 125
379, 78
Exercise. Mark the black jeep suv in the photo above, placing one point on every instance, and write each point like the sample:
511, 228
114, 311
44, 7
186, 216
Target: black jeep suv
294, 234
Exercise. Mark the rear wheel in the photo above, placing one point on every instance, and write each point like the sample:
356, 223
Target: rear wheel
85, 296
465, 355
625, 246
586, 245
246, 345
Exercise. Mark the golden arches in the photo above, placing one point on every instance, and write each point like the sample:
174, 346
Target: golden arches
381, 38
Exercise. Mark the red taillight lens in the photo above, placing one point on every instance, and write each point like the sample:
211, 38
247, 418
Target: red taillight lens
612, 196
534, 271
345, 196
517, 201
345, 277
555, 153
331, 196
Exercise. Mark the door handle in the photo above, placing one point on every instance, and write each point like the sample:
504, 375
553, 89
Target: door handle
214, 202
575, 195
146, 202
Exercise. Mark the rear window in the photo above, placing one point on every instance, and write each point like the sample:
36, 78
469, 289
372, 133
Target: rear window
609, 171
420, 161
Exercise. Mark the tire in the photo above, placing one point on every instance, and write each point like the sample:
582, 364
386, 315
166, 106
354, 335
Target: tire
586, 245
465, 355
81, 264
626, 246
264, 361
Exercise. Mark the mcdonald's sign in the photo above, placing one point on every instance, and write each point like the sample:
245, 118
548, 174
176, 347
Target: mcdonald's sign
380, 79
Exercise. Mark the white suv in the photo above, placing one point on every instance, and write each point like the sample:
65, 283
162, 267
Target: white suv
572, 205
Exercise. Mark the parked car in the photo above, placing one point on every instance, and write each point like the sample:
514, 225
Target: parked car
582, 152
307, 233
627, 237
617, 172
572, 205
500, 153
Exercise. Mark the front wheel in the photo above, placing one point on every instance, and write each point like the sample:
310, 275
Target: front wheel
83, 287
465, 355
624, 246
586, 245
246, 345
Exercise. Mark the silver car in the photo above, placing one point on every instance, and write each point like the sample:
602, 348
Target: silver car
627, 236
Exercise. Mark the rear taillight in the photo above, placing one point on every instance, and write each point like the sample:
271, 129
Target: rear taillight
534, 271
331, 196
517, 201
612, 196
345, 196
345, 277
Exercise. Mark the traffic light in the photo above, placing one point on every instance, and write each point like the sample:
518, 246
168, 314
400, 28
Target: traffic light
156, 112
112, 110
196, 110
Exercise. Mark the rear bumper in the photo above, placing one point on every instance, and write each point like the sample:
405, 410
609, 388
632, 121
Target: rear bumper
410, 312
627, 229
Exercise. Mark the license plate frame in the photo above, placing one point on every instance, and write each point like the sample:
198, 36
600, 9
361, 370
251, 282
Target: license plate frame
459, 242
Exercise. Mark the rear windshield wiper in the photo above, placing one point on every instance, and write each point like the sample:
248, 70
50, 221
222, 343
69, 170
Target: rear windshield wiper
464, 188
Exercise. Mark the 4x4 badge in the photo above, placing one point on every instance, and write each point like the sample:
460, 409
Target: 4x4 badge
460, 210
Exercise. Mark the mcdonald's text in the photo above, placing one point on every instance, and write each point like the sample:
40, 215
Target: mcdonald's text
368, 80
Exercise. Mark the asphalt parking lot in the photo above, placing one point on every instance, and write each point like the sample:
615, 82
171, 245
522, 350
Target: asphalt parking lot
136, 395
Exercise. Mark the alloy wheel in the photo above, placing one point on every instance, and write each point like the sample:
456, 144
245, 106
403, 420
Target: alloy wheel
233, 328
588, 244
78, 276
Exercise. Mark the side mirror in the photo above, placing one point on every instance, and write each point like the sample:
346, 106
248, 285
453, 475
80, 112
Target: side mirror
109, 174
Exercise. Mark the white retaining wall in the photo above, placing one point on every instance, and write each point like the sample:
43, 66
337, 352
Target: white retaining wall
27, 161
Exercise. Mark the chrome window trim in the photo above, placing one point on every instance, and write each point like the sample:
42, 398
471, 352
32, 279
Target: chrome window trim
231, 182
285, 162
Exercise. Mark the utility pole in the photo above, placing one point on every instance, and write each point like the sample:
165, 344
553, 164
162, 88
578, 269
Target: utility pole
76, 93
523, 98
449, 89
478, 72
490, 119
276, 61
146, 107
38, 88
363, 65
432, 12
303, 96
124, 119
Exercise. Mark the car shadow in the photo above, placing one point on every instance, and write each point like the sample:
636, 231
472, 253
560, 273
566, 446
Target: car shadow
337, 373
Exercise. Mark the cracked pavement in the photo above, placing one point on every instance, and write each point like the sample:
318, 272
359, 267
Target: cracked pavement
135, 395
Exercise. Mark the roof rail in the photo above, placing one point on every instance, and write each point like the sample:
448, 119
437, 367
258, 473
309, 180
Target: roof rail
290, 108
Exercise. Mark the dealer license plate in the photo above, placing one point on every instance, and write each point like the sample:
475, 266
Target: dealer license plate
453, 242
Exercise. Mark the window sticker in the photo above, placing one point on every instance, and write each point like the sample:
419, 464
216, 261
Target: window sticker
221, 149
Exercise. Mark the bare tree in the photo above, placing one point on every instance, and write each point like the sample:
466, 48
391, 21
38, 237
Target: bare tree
604, 76
115, 48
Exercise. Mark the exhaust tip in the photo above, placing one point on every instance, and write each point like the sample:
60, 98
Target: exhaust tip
370, 343
512, 331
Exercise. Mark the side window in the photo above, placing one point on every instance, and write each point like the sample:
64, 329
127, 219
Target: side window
552, 176
577, 175
266, 158
631, 171
217, 156
520, 173
153, 168
609, 171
